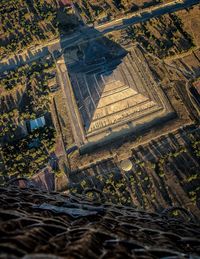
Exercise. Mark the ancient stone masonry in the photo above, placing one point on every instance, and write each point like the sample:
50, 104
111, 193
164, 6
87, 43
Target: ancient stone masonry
116, 94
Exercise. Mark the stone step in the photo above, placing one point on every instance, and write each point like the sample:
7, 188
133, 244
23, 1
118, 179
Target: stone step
112, 87
116, 107
132, 113
116, 97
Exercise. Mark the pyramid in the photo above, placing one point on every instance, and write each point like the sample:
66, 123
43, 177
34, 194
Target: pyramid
118, 103
115, 93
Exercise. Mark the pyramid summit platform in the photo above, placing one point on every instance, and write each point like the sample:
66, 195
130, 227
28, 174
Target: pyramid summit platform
116, 95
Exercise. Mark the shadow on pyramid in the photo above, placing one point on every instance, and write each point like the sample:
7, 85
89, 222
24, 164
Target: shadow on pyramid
110, 89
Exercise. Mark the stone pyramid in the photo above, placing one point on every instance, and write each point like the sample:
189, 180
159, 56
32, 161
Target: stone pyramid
118, 103
113, 94
124, 97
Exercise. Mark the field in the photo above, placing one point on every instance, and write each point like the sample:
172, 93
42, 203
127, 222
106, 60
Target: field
25, 24
26, 95
191, 22
105, 10
165, 173
163, 36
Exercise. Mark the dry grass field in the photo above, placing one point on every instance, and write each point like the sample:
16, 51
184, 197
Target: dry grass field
106, 9
191, 22
190, 61
26, 23
164, 36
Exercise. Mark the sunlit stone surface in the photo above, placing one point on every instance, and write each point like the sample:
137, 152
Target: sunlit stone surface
116, 94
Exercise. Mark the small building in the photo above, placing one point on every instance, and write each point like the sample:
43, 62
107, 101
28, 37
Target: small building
36, 123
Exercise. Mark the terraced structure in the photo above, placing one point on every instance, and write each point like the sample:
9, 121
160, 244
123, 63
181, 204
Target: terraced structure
116, 95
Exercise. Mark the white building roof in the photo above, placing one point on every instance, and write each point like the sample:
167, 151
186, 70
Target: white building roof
37, 123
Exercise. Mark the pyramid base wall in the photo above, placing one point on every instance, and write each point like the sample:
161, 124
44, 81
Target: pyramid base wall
121, 134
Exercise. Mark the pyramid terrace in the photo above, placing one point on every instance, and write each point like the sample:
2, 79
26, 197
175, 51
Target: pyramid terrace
116, 96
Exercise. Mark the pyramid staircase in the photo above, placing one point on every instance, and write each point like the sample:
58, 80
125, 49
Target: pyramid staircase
107, 98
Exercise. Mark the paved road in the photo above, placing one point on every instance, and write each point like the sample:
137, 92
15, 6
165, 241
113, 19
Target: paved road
144, 16
37, 53
90, 33
87, 33
22, 59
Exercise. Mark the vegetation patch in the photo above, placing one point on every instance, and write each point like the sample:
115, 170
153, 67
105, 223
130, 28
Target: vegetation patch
29, 155
163, 36
24, 23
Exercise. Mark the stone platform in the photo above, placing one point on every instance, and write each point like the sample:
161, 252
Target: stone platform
115, 96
